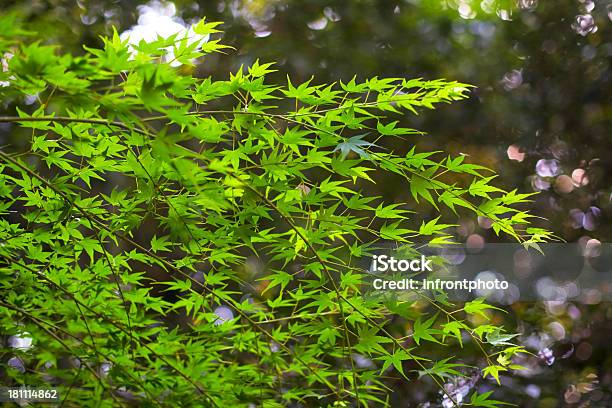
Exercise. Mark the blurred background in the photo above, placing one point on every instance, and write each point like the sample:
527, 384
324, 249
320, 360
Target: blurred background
539, 115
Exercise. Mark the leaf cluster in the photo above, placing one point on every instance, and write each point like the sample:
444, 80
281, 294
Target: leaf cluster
169, 240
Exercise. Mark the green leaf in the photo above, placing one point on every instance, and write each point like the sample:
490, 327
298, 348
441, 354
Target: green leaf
421, 185
423, 331
482, 400
443, 369
432, 227
478, 307
395, 359
370, 342
498, 338
355, 144
160, 245
493, 371
390, 211
454, 328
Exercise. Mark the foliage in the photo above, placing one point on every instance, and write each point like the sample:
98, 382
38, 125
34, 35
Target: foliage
168, 240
